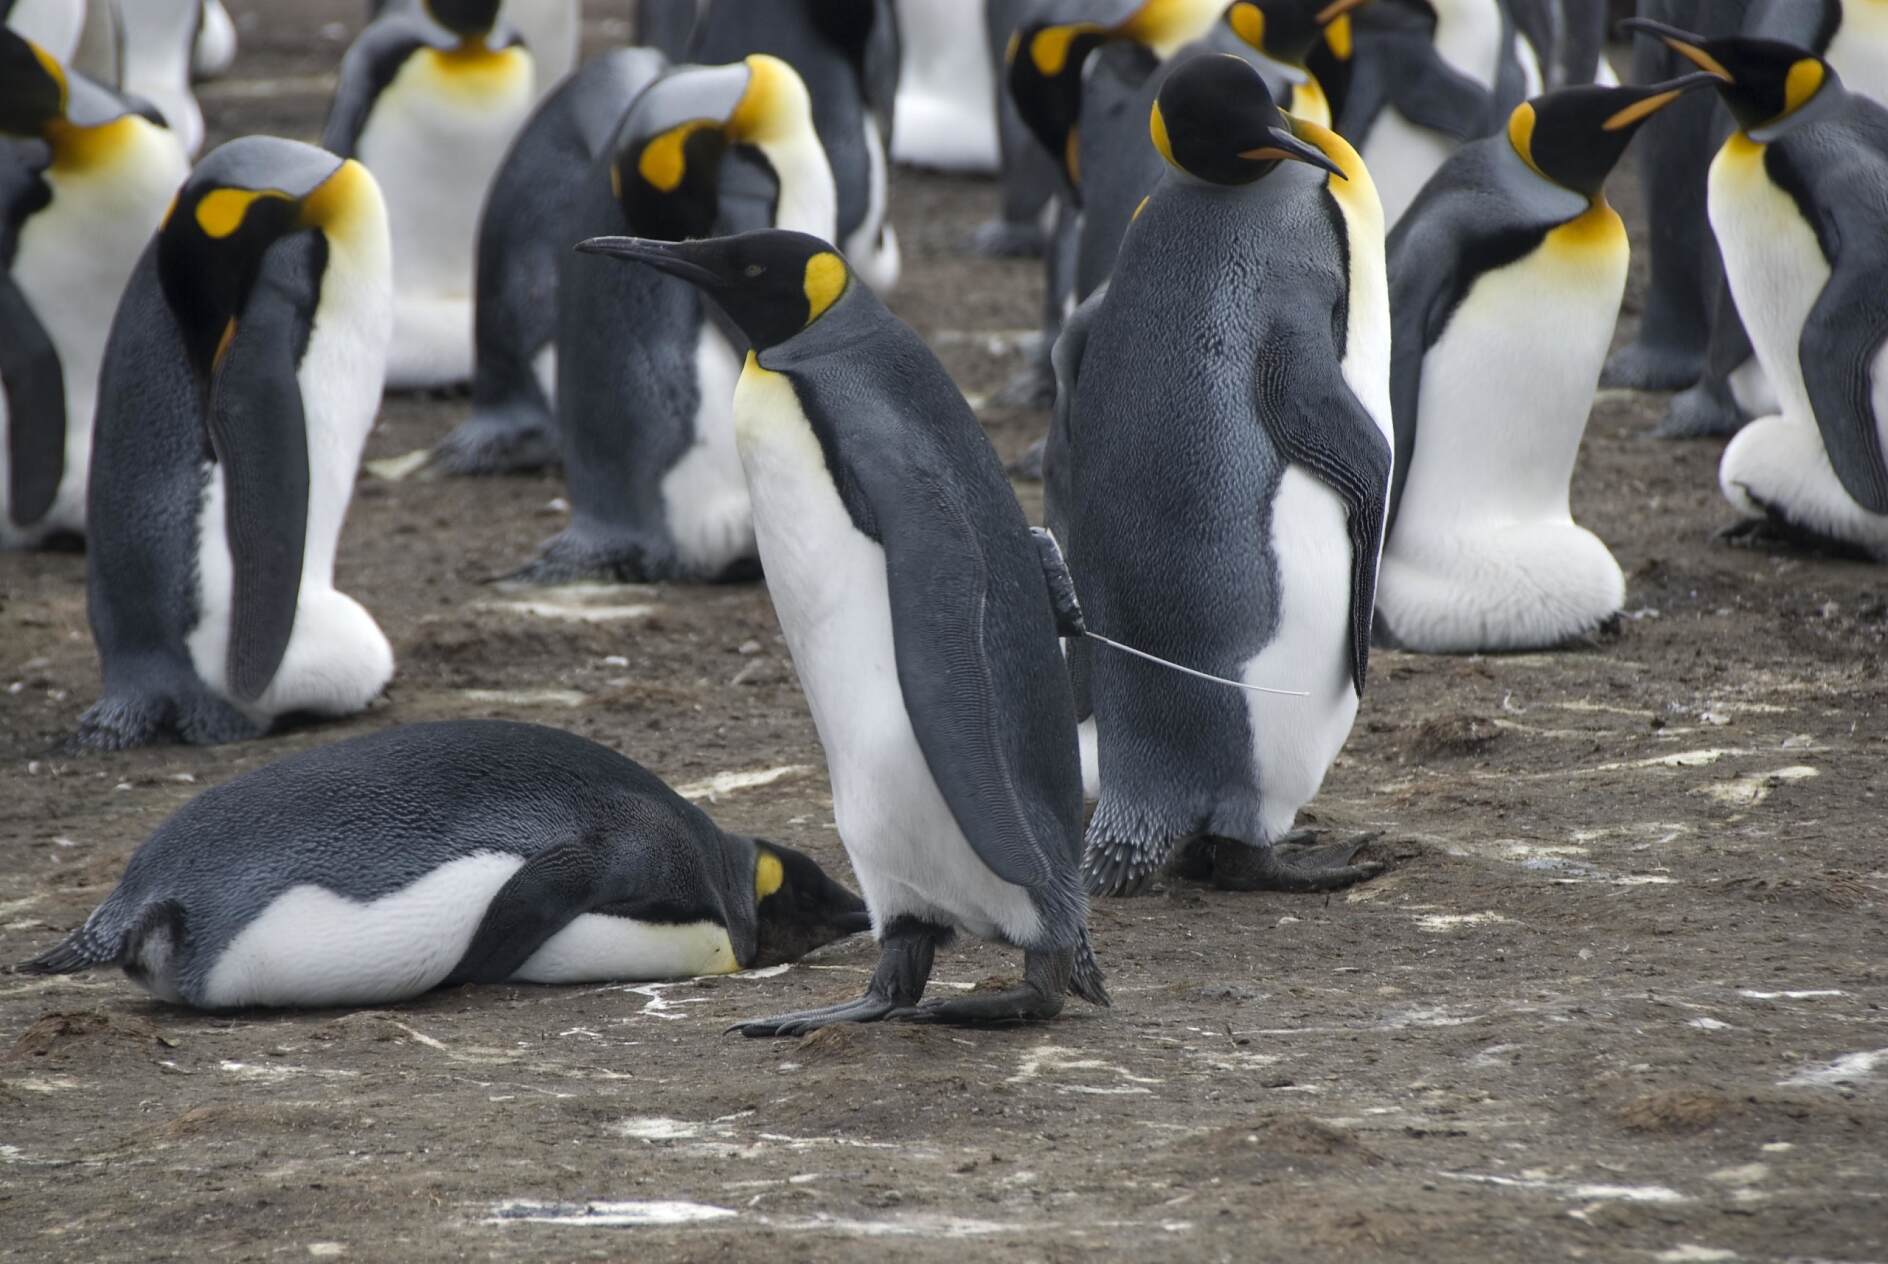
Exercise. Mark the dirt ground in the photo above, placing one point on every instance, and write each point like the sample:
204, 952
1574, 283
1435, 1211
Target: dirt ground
1621, 995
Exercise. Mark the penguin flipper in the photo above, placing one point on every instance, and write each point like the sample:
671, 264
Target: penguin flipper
1320, 424
1430, 93
1840, 343
258, 431
368, 67
36, 407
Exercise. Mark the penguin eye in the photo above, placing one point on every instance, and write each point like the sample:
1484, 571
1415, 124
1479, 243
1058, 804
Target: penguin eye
754, 269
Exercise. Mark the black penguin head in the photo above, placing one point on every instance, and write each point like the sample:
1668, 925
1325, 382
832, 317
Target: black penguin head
1763, 81
1287, 30
1047, 51
1215, 120
241, 199
666, 167
468, 19
40, 97
797, 907
1575, 136
772, 284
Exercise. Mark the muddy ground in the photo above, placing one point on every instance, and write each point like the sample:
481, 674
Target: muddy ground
1620, 996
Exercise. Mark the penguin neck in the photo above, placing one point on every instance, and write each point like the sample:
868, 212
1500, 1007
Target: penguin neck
1168, 25
809, 198
1468, 38
1828, 101
78, 149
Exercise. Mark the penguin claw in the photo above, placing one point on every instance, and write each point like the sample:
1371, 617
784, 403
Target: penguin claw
867, 1009
1291, 866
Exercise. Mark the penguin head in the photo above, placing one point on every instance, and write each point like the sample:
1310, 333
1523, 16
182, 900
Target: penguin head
1043, 65
665, 170
797, 907
1763, 81
1287, 30
40, 97
238, 202
1215, 120
468, 19
772, 284
1574, 137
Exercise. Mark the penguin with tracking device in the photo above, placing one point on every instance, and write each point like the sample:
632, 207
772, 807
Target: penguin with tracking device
645, 371
471, 851
1799, 205
847, 54
1506, 275
430, 107
917, 611
240, 380
524, 234
1248, 312
77, 203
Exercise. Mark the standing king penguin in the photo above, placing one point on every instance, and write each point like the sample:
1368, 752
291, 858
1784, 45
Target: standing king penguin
915, 606
77, 204
241, 378
1216, 475
646, 371
470, 851
1506, 275
430, 107
525, 233
1799, 204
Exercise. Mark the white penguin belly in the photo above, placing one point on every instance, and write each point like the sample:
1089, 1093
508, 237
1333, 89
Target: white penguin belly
434, 139
596, 947
704, 495
829, 587
72, 262
312, 947
1777, 272
1401, 157
946, 97
872, 249
1485, 554
1294, 740
159, 38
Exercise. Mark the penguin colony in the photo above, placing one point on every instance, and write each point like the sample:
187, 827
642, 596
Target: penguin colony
1329, 290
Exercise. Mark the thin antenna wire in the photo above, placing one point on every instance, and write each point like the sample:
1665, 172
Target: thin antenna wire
1218, 680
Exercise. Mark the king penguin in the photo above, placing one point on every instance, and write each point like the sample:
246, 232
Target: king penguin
77, 204
946, 107
550, 29
1249, 312
430, 107
646, 372
158, 40
472, 851
1428, 76
524, 233
1506, 275
240, 380
214, 50
847, 53
1799, 205
919, 619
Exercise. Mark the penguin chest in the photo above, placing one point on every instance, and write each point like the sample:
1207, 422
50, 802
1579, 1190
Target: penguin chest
1773, 261
704, 494
1507, 387
434, 139
1401, 156
596, 947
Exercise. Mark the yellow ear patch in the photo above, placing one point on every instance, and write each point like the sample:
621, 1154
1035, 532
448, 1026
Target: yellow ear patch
1157, 128
221, 211
769, 874
1247, 21
1338, 36
337, 197
1521, 135
663, 163
1049, 48
825, 282
1802, 83
1638, 110
54, 71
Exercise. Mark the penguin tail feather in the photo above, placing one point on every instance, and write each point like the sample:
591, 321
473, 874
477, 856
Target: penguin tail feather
81, 950
1086, 981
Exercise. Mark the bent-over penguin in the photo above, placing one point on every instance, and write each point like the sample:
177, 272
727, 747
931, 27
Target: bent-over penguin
1799, 205
525, 231
77, 203
469, 851
241, 378
1506, 275
1248, 313
915, 606
430, 107
645, 371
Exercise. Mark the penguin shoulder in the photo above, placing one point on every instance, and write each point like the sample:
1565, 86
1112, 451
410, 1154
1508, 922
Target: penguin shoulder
368, 66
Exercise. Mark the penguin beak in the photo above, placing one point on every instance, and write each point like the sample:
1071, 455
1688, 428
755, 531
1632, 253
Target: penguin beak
1335, 10
854, 923
1684, 43
1658, 96
1286, 147
664, 256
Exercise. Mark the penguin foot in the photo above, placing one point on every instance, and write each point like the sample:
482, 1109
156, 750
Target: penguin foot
1293, 863
1780, 532
904, 966
1639, 366
1001, 239
1028, 466
117, 723
1701, 412
1121, 869
488, 443
1041, 995
573, 555
1033, 387
867, 1009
